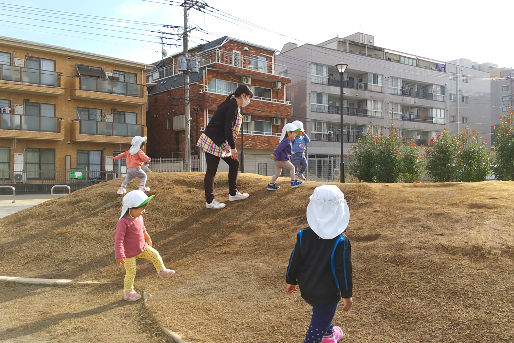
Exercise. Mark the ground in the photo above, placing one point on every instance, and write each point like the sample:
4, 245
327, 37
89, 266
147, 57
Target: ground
432, 263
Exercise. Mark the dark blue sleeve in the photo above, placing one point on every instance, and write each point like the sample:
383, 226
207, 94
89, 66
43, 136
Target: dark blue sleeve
294, 264
343, 267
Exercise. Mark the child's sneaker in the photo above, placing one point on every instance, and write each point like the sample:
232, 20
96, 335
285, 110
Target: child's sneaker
215, 204
144, 188
166, 272
273, 187
121, 191
131, 295
238, 196
301, 176
296, 183
337, 334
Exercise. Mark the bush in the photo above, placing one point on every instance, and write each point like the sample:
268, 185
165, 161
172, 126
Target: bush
503, 147
473, 162
441, 156
411, 163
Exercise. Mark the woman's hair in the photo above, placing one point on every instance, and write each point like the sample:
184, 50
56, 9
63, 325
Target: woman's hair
242, 89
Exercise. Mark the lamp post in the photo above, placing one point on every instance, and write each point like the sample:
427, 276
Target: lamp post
341, 68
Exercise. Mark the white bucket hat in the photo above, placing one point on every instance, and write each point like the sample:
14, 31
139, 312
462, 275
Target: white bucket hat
287, 127
328, 213
298, 124
136, 144
134, 199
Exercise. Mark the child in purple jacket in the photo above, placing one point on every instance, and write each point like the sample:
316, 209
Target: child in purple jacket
282, 154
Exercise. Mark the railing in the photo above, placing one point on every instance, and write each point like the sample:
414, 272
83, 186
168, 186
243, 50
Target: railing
52, 176
417, 118
29, 75
93, 127
261, 133
421, 95
244, 62
350, 111
95, 84
156, 74
275, 101
29, 123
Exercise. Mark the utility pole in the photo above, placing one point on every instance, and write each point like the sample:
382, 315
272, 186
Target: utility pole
457, 75
187, 104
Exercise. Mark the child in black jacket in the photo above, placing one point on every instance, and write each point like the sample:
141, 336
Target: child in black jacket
321, 263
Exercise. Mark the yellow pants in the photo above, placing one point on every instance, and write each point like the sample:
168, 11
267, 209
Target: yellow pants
149, 254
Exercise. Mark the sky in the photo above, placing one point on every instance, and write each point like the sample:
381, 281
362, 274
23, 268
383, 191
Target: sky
129, 29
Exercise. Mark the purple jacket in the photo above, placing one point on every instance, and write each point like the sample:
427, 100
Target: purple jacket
283, 150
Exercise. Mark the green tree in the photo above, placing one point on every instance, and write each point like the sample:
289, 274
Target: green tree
503, 147
473, 162
441, 157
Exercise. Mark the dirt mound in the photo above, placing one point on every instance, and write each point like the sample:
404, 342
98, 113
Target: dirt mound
431, 261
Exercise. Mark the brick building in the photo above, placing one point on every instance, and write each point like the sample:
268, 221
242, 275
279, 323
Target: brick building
63, 110
224, 64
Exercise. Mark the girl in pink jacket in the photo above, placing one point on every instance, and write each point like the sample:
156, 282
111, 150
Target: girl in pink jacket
135, 159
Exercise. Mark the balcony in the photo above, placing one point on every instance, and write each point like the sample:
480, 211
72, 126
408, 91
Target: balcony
413, 93
31, 127
107, 132
348, 111
228, 58
27, 80
98, 89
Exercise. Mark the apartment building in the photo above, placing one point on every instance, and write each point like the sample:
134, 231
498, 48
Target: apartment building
223, 64
65, 111
382, 87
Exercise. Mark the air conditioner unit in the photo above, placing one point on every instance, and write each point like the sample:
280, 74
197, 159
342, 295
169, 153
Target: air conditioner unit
19, 177
246, 80
361, 86
108, 74
247, 118
277, 85
275, 121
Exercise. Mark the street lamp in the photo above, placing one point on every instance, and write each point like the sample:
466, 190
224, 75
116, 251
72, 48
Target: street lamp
341, 68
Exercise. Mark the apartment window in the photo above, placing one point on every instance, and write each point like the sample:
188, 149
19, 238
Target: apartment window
465, 99
40, 163
118, 164
452, 96
465, 79
168, 124
506, 98
319, 73
124, 76
84, 113
396, 86
464, 120
318, 130
375, 107
39, 67
236, 58
258, 63
263, 93
5, 156
5, 58
437, 115
221, 86
504, 108
408, 61
396, 111
125, 117
504, 88
319, 102
37, 117
453, 119
375, 79
262, 127
90, 161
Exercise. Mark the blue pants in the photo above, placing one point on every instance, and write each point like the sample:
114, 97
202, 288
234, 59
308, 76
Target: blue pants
321, 322
300, 162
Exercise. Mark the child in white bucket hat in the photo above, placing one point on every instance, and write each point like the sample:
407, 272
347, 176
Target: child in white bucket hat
282, 155
298, 158
132, 242
135, 159
321, 263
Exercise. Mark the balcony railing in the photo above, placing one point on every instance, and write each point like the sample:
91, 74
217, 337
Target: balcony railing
239, 61
350, 111
93, 127
261, 133
421, 95
95, 84
417, 118
29, 75
29, 123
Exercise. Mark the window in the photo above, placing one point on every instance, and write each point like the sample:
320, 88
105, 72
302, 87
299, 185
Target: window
39, 71
375, 107
452, 96
258, 63
375, 79
118, 164
40, 163
396, 111
437, 115
504, 88
319, 102
38, 117
90, 161
464, 120
5, 155
465, 79
506, 98
319, 73
262, 127
221, 86
408, 61
84, 113
504, 108
396, 86
263, 93
465, 99
125, 117
125, 124
168, 124
124, 76
5, 58
236, 58
318, 130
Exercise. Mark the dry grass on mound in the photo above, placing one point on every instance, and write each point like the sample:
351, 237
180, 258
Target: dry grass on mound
432, 262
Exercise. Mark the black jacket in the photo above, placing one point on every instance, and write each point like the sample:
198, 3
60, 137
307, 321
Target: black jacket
322, 267
219, 128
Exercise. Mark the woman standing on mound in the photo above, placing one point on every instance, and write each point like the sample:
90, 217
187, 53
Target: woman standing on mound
218, 142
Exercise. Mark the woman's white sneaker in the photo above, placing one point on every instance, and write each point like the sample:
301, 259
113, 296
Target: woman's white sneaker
238, 196
215, 204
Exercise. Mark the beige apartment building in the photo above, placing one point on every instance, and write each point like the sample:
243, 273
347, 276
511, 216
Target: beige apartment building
64, 113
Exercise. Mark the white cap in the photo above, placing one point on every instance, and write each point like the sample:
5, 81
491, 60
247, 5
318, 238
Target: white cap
133, 199
298, 124
136, 144
328, 213
287, 127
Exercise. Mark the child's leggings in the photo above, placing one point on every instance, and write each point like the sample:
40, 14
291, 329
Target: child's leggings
278, 170
132, 173
321, 322
149, 254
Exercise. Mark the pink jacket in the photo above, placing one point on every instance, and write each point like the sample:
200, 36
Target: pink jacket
133, 161
129, 239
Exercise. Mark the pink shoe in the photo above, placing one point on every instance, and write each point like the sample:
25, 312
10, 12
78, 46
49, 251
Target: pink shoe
337, 334
131, 295
166, 272
328, 339
144, 188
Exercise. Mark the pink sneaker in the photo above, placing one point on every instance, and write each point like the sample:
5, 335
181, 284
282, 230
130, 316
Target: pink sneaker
144, 188
166, 272
337, 334
131, 295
